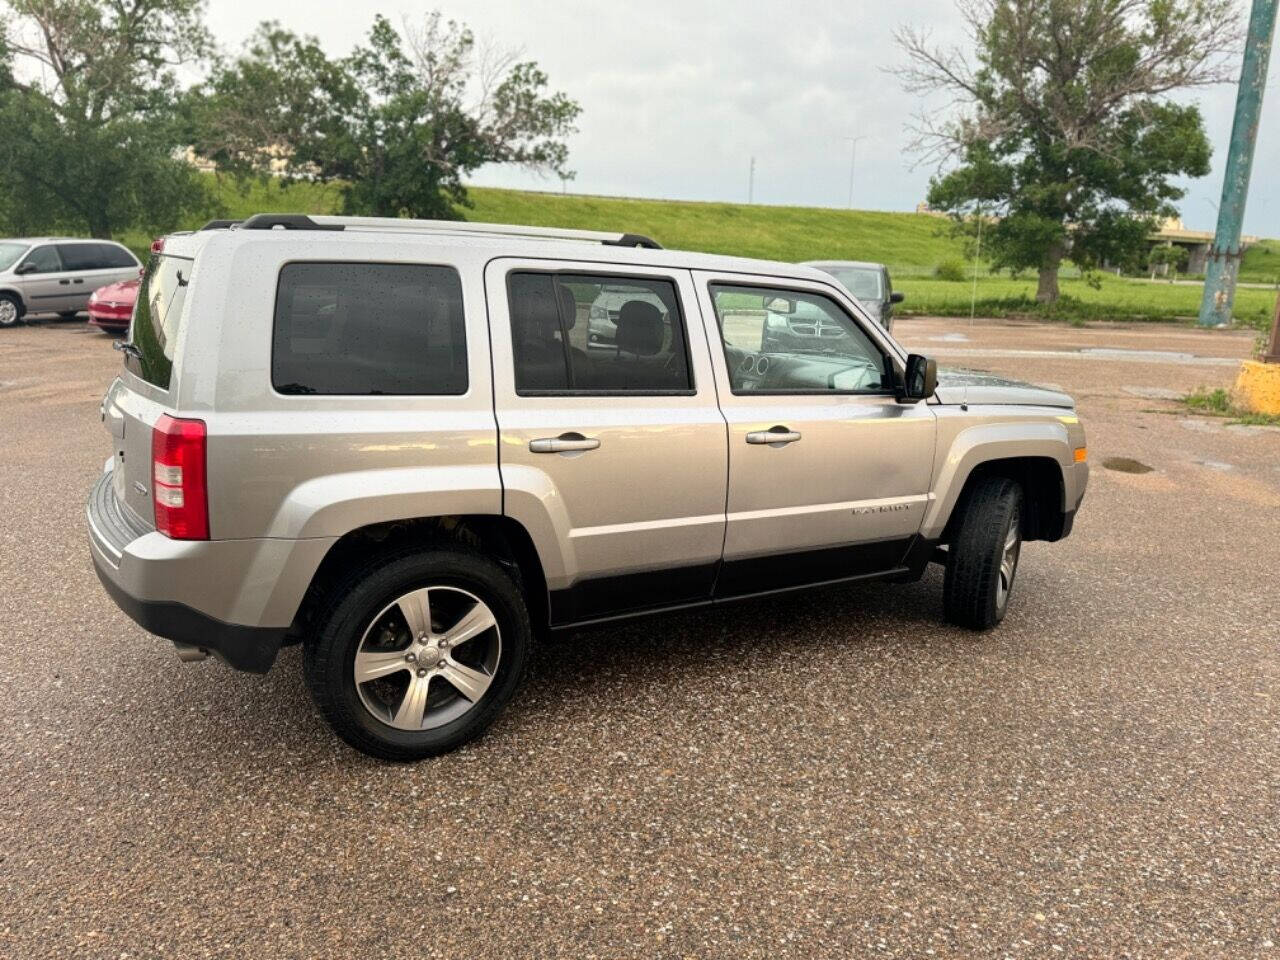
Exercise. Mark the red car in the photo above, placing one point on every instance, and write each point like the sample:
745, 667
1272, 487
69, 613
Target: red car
110, 307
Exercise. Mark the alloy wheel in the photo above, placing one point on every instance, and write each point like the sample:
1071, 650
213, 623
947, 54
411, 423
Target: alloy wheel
427, 658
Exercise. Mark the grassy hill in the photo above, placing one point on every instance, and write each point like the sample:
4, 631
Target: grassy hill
911, 244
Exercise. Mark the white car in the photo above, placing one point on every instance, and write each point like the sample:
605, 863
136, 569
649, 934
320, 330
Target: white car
57, 274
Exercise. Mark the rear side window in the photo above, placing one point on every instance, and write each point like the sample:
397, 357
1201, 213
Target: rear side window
581, 333
369, 328
156, 317
81, 256
111, 256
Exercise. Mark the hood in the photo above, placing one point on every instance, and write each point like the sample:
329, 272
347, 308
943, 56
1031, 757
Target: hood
971, 386
122, 291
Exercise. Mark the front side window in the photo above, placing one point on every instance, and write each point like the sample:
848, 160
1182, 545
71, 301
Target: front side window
792, 341
43, 260
156, 316
369, 329
582, 333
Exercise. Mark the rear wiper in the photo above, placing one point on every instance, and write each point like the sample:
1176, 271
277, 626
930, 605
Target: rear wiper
125, 347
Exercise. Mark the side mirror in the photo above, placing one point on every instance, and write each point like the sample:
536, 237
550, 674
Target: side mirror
25, 268
896, 297
780, 305
920, 380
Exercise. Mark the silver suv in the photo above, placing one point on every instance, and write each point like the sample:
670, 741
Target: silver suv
389, 441
57, 274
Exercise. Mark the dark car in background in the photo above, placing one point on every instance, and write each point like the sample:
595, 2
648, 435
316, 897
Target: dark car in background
868, 282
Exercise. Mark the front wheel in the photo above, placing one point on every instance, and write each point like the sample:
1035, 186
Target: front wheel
10, 310
982, 560
419, 654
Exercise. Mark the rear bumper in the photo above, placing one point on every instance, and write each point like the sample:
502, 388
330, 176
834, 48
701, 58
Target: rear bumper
236, 599
245, 648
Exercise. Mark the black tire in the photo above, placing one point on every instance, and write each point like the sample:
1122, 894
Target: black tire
10, 318
971, 592
329, 655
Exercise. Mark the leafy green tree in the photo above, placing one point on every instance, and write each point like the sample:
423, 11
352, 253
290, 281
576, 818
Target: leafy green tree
1172, 258
87, 106
1064, 129
397, 123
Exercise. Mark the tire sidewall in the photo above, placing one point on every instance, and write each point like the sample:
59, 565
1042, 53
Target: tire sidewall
1015, 517
331, 658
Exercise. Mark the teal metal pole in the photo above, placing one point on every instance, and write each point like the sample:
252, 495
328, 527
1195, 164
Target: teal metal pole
1224, 255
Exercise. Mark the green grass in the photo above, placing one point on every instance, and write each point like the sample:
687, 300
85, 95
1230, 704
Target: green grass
1116, 298
907, 242
1218, 403
913, 245
1261, 263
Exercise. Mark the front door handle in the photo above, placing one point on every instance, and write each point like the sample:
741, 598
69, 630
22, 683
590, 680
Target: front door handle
774, 436
65, 283
565, 443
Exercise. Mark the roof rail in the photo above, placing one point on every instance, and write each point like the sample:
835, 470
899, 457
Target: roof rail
218, 225
297, 221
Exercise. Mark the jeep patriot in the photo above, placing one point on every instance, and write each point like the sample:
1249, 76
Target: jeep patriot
392, 442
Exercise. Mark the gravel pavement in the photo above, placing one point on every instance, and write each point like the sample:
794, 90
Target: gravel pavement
836, 774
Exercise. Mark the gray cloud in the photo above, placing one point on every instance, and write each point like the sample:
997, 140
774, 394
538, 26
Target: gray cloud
678, 96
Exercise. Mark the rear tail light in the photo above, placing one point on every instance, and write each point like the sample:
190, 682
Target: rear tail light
178, 486
157, 245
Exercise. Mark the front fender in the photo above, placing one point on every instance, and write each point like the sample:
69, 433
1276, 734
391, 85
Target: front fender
984, 443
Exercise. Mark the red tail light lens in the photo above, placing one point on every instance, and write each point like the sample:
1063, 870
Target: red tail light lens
178, 486
157, 245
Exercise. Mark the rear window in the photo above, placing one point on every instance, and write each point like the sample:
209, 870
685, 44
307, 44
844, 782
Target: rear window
369, 328
156, 316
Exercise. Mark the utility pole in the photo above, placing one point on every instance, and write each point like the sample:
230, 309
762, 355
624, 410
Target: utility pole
751, 181
853, 161
1224, 255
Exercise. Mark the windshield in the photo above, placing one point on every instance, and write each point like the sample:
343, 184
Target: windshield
10, 252
862, 282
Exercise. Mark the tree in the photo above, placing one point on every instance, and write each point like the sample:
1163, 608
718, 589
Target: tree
397, 123
1063, 127
1169, 257
88, 108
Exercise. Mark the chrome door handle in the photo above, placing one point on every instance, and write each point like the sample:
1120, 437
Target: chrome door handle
774, 435
565, 443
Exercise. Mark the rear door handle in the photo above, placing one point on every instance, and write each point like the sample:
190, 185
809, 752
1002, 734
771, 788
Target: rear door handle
774, 436
565, 443
78, 280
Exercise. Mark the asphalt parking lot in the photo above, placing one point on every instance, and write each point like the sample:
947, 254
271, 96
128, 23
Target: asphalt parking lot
834, 774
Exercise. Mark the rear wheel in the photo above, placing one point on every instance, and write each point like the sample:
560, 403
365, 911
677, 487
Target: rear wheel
982, 561
419, 654
10, 310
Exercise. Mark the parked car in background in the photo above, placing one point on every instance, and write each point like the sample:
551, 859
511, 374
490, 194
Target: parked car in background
602, 321
57, 274
111, 307
868, 282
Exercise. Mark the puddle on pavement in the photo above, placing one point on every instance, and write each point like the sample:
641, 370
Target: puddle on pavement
1126, 465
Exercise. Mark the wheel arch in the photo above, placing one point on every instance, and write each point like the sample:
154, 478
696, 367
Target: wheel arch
1043, 492
17, 295
500, 537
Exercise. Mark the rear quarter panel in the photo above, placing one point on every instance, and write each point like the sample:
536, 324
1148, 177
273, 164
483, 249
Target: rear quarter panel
320, 466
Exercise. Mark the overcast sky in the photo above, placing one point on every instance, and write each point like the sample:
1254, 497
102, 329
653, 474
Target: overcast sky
678, 96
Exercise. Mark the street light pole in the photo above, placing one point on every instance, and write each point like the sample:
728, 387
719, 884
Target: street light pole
1224, 255
853, 161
